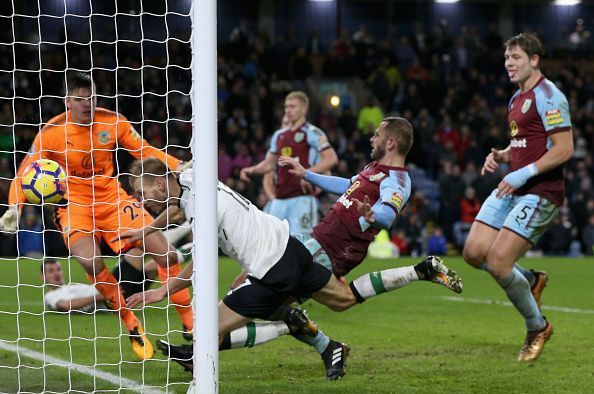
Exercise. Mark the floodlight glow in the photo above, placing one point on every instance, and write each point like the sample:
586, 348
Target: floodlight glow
334, 101
447, 1
567, 2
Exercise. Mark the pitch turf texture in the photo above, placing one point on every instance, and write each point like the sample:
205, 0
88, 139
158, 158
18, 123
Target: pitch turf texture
422, 338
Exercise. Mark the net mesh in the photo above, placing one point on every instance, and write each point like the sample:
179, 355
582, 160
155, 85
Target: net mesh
138, 53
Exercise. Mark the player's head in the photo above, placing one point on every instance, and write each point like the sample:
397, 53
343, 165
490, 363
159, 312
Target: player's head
522, 56
394, 135
80, 97
150, 179
51, 271
296, 106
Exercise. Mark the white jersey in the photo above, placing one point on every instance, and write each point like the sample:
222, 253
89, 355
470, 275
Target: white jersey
255, 239
71, 292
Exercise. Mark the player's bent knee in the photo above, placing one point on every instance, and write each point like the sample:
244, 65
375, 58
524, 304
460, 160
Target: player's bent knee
473, 254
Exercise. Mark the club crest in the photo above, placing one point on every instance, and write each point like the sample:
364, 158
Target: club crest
526, 105
299, 136
103, 137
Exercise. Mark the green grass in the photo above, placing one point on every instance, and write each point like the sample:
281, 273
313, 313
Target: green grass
410, 340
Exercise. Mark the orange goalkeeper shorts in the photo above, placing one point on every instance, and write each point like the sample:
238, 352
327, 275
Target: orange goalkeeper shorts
103, 220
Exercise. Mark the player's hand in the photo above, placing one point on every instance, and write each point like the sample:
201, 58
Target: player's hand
184, 165
295, 168
131, 236
492, 161
239, 280
364, 209
9, 221
306, 187
246, 174
515, 180
146, 297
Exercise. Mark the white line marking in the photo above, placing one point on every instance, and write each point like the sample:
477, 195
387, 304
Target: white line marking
108, 377
507, 303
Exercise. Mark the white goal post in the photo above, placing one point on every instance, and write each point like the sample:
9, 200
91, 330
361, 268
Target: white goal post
204, 148
153, 62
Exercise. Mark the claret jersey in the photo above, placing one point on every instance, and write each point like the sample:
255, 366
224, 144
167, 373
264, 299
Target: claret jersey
305, 143
342, 235
533, 116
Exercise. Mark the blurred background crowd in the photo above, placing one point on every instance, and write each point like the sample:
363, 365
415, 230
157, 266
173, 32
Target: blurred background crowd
444, 75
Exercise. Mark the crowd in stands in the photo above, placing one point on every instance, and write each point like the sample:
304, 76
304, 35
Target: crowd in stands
451, 86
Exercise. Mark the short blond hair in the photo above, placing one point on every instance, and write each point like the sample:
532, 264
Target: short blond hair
149, 169
402, 130
298, 95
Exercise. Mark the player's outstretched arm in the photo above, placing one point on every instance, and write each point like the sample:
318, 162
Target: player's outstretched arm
328, 160
138, 147
332, 184
173, 214
172, 286
263, 167
79, 303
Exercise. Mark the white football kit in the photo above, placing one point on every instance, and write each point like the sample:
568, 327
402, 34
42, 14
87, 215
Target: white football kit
71, 292
246, 234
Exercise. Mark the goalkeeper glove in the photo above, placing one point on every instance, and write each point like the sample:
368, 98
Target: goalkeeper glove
9, 221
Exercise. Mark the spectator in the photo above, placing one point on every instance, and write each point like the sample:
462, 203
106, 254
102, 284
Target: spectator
436, 245
370, 116
469, 208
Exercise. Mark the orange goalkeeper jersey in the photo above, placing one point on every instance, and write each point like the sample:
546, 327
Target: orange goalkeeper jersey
86, 153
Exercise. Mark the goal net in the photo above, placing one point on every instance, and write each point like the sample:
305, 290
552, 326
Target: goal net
139, 56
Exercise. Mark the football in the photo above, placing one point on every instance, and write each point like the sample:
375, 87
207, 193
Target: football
44, 181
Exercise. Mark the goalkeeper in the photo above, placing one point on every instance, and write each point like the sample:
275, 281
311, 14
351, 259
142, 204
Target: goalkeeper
83, 141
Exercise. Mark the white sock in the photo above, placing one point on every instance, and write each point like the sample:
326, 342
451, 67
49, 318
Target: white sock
257, 333
374, 283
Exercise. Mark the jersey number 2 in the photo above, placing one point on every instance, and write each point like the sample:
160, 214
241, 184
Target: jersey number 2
130, 210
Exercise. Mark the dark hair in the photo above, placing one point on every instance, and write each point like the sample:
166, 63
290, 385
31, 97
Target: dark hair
78, 80
47, 261
402, 130
528, 42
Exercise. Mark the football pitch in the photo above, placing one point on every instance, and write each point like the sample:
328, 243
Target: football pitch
422, 338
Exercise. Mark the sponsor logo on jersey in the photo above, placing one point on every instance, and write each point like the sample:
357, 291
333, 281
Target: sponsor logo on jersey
345, 201
287, 151
518, 143
553, 117
104, 137
513, 126
397, 200
87, 162
526, 105
299, 136
377, 177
